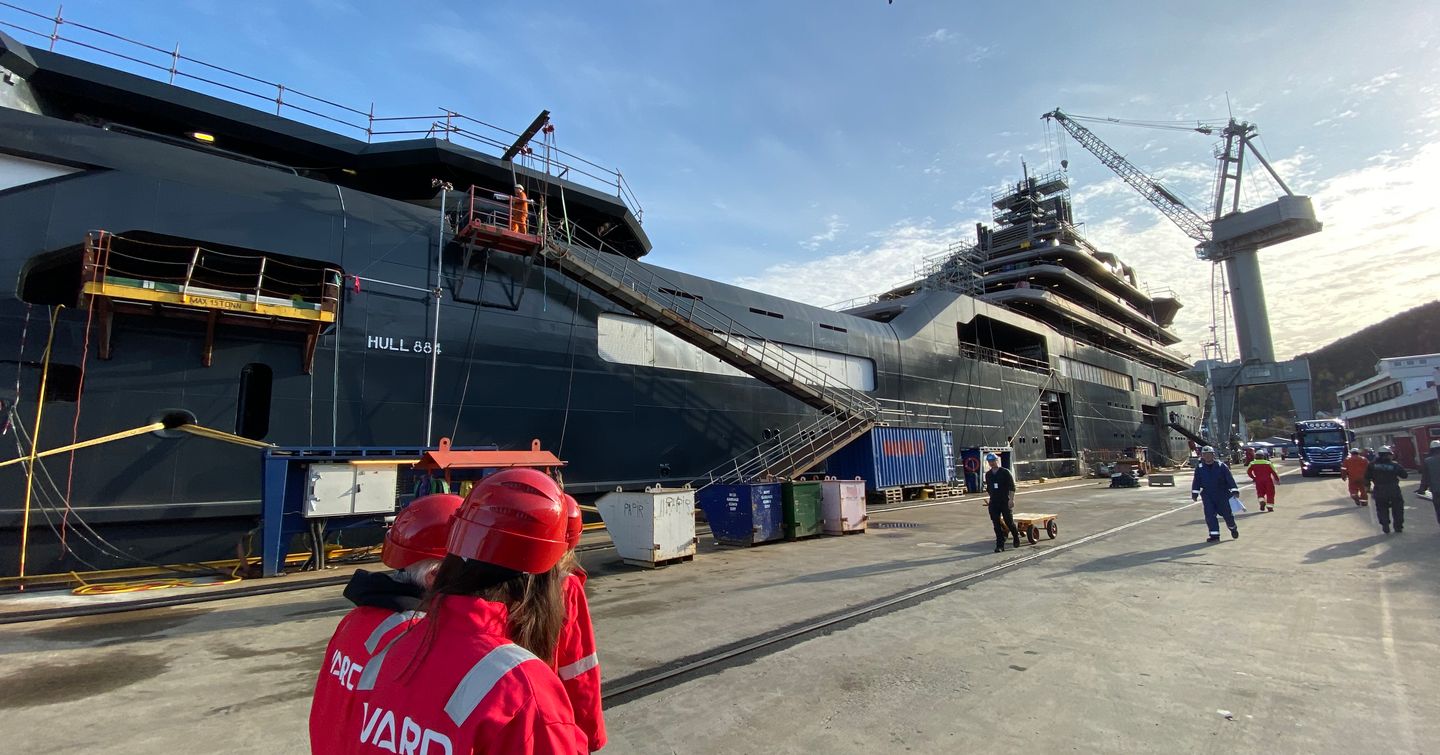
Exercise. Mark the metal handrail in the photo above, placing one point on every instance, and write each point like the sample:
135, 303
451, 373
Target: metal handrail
327, 288
631, 274
337, 117
799, 444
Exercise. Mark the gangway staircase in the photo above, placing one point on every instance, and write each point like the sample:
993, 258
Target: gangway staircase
845, 413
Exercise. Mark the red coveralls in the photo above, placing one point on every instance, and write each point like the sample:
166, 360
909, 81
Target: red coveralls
577, 664
363, 632
454, 684
1266, 478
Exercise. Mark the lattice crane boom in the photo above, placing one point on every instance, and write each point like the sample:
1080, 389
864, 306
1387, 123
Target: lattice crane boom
1162, 198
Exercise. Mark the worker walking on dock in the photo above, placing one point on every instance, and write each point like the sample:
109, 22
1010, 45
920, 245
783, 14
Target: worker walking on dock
576, 661
1000, 484
385, 605
1215, 485
1262, 471
1352, 470
474, 674
1385, 475
1430, 476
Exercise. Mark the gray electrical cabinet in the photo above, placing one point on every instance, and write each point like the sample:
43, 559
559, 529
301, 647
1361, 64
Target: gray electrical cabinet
345, 489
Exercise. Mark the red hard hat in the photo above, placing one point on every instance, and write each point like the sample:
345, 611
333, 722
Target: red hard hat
516, 519
420, 530
574, 524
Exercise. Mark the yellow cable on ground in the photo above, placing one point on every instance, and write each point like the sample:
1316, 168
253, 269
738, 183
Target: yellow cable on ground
115, 588
34, 443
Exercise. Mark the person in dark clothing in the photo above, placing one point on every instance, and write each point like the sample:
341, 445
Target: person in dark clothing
1215, 485
1430, 476
1385, 475
1001, 486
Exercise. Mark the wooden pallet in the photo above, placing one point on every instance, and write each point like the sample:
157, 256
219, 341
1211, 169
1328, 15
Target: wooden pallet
886, 496
657, 564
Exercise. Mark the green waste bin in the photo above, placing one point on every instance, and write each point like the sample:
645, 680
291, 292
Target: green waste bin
801, 509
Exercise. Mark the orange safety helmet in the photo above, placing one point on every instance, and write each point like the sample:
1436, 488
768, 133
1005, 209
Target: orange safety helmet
574, 525
516, 519
420, 530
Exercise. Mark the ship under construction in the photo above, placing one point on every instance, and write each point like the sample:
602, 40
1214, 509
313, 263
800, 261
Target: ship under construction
188, 278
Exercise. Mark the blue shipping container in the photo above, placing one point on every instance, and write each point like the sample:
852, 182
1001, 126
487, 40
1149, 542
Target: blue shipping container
743, 514
892, 457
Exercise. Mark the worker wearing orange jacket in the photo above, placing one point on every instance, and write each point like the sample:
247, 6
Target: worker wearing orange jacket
1262, 471
386, 604
1352, 470
519, 211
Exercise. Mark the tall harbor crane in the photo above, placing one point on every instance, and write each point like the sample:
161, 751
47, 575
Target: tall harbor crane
1232, 237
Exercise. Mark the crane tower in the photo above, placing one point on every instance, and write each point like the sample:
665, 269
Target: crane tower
1231, 237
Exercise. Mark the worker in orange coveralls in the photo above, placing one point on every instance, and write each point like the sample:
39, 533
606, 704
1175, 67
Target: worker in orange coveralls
1262, 471
386, 604
1352, 470
519, 211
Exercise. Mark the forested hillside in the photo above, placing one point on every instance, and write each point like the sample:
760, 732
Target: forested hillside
1349, 360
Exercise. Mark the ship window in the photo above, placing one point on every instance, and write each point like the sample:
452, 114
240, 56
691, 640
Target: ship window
767, 313
681, 294
835, 328
252, 410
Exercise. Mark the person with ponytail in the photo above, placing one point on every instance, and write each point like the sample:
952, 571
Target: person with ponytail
476, 674
575, 658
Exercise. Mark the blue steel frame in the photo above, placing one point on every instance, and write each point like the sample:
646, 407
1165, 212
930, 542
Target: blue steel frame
283, 491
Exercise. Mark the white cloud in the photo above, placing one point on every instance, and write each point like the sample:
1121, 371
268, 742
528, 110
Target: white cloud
890, 257
940, 36
1373, 86
979, 53
834, 226
1381, 236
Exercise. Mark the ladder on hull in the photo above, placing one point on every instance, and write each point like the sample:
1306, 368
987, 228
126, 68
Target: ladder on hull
846, 413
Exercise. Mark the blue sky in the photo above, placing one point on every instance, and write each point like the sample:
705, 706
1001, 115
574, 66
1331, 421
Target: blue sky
818, 150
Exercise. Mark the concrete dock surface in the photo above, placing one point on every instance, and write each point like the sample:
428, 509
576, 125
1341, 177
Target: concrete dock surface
1312, 633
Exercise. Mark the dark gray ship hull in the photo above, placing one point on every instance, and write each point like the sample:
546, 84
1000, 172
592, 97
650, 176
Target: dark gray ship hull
530, 368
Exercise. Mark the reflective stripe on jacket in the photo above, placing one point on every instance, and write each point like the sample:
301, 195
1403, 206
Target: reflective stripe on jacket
360, 635
577, 664
1213, 482
1262, 469
454, 684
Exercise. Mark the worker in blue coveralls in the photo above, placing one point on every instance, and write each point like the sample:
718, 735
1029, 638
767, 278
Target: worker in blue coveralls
1214, 483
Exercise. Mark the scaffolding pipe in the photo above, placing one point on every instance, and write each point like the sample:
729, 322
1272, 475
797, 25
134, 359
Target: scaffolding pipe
435, 338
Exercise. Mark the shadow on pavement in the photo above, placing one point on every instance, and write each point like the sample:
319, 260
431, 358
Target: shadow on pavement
1343, 550
1337, 511
1135, 558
